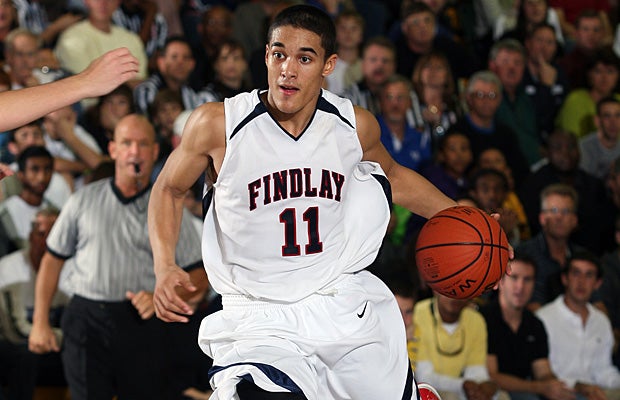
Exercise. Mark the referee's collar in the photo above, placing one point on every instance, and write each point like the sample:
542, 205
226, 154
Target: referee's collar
127, 200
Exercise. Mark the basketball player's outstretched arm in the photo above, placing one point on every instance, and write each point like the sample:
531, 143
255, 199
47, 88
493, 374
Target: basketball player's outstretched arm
105, 73
203, 144
409, 189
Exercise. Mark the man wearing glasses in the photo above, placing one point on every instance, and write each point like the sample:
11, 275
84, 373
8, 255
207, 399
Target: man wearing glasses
483, 97
452, 349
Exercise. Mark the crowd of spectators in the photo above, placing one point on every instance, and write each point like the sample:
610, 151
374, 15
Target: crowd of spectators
509, 105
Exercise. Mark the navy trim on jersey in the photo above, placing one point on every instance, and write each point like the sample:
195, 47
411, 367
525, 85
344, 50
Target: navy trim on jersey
206, 202
328, 107
57, 254
387, 188
410, 375
275, 375
258, 110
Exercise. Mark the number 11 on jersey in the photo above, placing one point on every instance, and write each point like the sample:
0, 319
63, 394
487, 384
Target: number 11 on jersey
288, 217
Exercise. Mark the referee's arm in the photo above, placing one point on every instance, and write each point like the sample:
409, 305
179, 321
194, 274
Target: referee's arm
42, 338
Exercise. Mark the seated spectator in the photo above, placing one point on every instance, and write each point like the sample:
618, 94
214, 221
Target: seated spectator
407, 145
378, 64
18, 211
18, 272
580, 336
599, 149
563, 167
494, 158
454, 159
214, 28
21, 49
570, 10
143, 18
452, 349
543, 80
437, 97
483, 97
579, 108
101, 119
75, 151
230, 77
86, 40
20, 139
165, 109
48, 19
507, 59
489, 189
518, 353
588, 39
551, 248
420, 37
349, 38
175, 62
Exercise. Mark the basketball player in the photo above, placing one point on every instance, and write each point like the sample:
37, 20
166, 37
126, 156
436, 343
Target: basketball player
297, 209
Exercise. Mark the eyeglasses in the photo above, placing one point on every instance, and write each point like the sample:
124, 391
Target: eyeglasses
438, 347
481, 95
558, 211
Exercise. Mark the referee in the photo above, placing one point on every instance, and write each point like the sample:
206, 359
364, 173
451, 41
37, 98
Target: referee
113, 345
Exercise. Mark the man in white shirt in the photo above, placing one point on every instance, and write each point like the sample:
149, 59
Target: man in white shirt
580, 336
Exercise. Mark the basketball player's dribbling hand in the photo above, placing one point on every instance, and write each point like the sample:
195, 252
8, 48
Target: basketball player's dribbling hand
171, 282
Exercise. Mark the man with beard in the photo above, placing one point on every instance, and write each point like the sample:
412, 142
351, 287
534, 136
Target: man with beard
18, 211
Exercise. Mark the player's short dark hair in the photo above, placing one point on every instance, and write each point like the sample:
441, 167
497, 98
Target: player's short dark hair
310, 18
584, 255
32, 152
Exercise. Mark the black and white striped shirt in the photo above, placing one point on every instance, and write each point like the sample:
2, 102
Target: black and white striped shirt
107, 236
145, 92
31, 15
133, 22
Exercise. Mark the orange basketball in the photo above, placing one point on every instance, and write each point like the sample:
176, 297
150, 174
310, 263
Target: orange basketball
461, 252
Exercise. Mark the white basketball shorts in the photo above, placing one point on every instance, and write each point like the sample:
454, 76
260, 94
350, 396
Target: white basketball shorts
346, 342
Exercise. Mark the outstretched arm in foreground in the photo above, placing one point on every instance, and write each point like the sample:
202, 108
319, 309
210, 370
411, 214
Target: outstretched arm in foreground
105, 73
409, 189
203, 145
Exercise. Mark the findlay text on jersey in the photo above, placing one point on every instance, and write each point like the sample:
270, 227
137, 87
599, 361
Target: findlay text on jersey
292, 183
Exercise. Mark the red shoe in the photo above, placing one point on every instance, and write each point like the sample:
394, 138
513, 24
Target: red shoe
427, 392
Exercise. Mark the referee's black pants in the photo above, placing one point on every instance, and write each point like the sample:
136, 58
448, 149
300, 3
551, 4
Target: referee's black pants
108, 350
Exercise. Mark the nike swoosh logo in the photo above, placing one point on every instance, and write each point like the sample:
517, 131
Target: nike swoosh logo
363, 311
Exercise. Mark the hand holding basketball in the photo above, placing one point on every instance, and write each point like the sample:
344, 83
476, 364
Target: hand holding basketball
462, 252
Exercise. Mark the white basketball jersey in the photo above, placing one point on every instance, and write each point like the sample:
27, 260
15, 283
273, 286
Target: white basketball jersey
288, 215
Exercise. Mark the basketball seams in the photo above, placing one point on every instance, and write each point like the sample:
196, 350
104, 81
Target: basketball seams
437, 263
